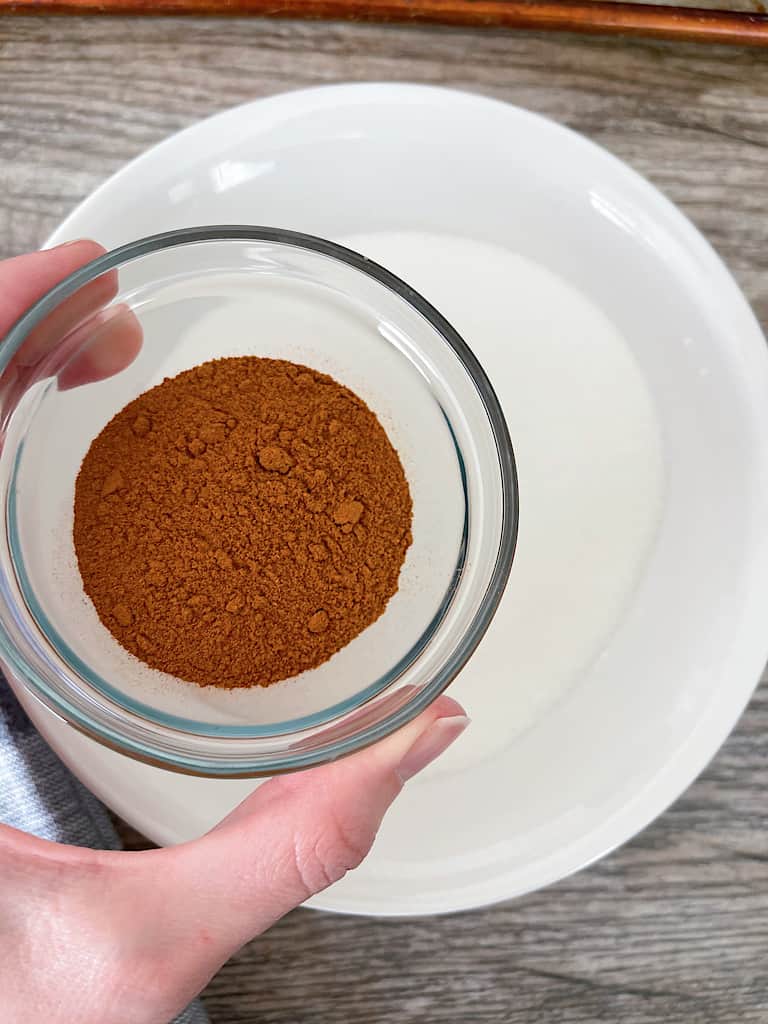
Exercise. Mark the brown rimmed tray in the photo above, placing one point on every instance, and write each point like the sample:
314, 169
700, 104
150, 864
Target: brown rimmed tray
743, 22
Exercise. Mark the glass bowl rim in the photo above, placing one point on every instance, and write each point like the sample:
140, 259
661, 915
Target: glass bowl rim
504, 553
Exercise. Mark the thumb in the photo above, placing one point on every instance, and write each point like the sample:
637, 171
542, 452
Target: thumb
291, 838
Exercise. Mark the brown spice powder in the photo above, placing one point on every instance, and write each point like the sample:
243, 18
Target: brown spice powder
241, 522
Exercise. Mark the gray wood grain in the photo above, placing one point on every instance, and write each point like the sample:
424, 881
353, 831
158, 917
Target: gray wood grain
753, 6
673, 928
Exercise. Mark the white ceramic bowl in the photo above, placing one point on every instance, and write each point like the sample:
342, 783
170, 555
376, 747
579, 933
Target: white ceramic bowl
662, 692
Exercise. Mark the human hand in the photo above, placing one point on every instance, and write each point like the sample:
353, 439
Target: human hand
129, 938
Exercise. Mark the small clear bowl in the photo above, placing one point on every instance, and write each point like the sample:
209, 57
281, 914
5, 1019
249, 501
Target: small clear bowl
199, 294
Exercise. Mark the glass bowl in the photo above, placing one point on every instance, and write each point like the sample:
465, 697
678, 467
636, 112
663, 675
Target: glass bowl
176, 300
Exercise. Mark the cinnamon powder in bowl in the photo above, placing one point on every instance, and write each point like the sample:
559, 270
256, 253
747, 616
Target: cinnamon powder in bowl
234, 536
241, 522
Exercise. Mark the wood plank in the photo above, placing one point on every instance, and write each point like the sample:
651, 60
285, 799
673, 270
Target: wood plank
673, 928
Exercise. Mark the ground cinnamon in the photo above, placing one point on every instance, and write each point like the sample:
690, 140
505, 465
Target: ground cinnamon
241, 522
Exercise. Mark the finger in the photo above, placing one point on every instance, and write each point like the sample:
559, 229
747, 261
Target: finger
291, 838
103, 346
25, 279
79, 341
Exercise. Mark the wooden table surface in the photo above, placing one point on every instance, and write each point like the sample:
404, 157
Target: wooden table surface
673, 928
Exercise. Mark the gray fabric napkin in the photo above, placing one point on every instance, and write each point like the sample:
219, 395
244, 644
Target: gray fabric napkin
39, 795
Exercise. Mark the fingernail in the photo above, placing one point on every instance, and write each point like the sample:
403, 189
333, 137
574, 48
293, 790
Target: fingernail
431, 744
66, 245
